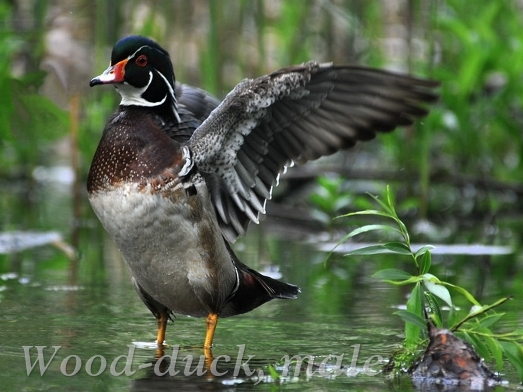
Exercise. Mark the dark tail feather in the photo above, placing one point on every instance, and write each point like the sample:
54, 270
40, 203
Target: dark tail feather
254, 290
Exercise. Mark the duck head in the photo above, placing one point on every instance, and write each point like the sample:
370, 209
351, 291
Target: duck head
142, 73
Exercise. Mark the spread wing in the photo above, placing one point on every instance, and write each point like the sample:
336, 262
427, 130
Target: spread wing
294, 115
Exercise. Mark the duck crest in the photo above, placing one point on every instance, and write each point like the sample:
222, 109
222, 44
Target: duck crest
134, 149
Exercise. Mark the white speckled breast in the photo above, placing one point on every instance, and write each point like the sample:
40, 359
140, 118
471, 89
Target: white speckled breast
171, 243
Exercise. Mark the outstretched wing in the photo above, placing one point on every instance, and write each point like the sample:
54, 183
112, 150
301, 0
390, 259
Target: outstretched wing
291, 116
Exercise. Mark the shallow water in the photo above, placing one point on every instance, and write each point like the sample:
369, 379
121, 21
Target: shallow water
107, 319
90, 318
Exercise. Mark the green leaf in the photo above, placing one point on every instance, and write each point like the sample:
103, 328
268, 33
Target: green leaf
421, 251
273, 373
367, 228
490, 319
439, 291
368, 250
426, 258
435, 313
476, 342
478, 310
452, 318
432, 278
414, 305
385, 206
366, 212
389, 247
463, 292
412, 318
514, 354
495, 350
399, 248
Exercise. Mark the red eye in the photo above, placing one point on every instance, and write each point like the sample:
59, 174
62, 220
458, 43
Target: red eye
141, 61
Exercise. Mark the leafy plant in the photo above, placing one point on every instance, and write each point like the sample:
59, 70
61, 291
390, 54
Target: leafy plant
430, 295
26, 118
329, 198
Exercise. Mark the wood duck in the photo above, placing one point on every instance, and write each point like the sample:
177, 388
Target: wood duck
178, 176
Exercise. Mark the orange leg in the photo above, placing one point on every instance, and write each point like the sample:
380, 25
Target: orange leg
212, 321
160, 336
162, 326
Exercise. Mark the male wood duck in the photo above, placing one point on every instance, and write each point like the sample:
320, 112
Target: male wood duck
178, 176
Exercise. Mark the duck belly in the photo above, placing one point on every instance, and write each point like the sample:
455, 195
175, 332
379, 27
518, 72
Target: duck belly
171, 244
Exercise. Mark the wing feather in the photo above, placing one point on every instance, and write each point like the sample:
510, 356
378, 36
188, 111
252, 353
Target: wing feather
295, 114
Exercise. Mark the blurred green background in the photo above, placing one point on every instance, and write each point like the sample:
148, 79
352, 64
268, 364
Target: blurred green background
463, 161
457, 173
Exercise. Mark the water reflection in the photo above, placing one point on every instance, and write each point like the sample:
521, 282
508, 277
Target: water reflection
190, 371
183, 370
97, 314
101, 319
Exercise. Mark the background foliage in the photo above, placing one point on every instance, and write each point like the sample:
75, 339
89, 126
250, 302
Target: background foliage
456, 173
469, 147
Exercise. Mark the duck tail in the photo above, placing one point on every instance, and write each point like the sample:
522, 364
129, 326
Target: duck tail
254, 289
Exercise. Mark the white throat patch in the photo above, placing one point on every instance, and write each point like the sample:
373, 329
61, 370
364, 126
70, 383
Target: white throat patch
133, 96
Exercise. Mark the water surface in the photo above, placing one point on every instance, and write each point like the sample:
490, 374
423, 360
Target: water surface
90, 318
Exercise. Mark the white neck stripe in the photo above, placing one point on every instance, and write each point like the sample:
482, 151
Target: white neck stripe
133, 96
175, 102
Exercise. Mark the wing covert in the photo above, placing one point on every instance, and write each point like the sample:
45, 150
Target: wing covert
295, 115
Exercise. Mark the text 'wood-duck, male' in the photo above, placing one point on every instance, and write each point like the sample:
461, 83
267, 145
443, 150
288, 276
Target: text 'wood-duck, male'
178, 175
